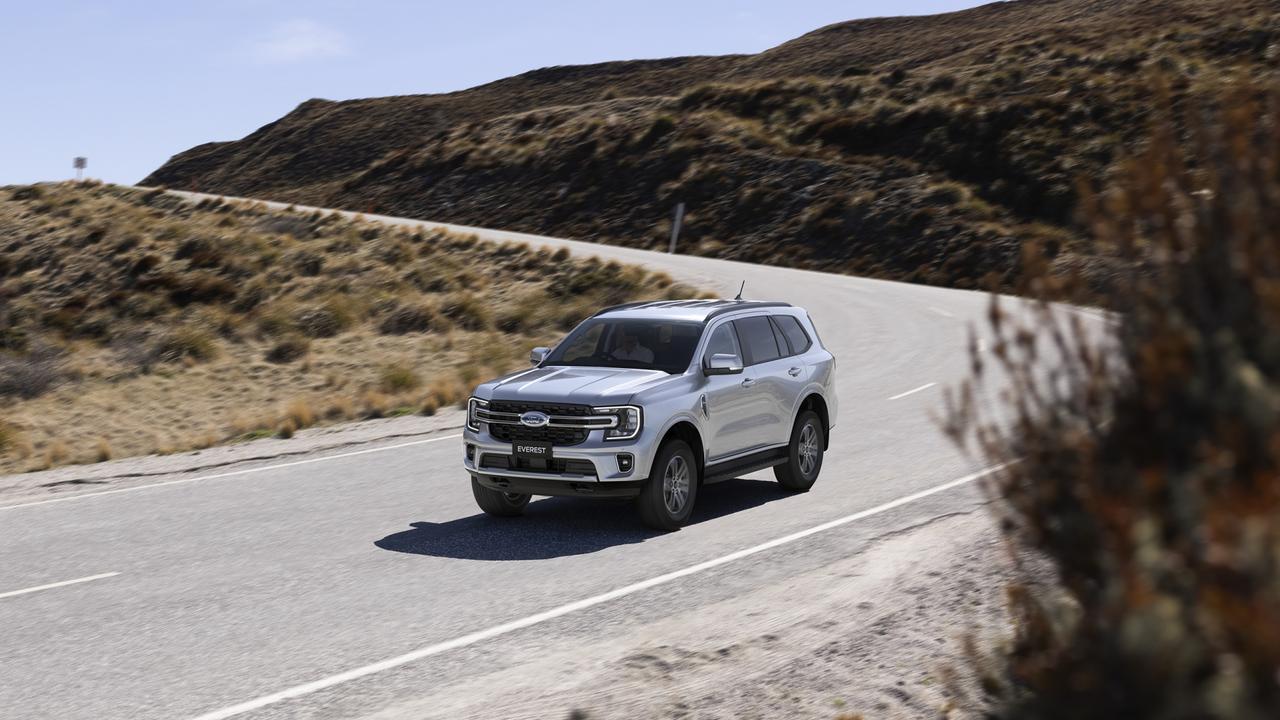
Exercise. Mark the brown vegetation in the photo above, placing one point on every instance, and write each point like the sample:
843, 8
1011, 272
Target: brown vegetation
135, 322
1146, 467
925, 149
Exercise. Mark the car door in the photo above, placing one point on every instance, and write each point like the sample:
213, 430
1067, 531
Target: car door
792, 374
766, 361
727, 400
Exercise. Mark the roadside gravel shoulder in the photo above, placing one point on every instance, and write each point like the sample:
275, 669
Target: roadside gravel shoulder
874, 636
21, 488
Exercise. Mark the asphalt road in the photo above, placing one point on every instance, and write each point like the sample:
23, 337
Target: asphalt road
341, 587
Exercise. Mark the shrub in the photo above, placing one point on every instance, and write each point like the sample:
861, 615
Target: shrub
468, 311
398, 378
324, 320
403, 319
1149, 461
288, 349
184, 343
8, 437
32, 373
286, 430
300, 413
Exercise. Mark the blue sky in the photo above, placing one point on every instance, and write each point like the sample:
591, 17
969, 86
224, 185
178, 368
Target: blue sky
128, 84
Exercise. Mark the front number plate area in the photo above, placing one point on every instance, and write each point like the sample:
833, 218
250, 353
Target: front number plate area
531, 454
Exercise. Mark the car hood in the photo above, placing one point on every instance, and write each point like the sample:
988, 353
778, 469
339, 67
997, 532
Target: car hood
581, 385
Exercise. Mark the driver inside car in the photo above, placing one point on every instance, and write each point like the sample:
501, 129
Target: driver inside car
630, 349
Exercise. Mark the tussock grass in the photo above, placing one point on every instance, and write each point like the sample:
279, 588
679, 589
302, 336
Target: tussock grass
160, 325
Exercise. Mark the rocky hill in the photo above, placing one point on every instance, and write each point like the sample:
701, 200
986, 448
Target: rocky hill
928, 149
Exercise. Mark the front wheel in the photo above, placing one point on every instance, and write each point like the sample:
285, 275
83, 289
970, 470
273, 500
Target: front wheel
496, 502
804, 455
666, 500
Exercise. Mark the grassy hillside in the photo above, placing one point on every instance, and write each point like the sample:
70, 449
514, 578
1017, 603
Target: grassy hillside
135, 322
928, 148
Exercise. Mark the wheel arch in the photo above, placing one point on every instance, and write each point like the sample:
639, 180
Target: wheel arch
685, 430
818, 404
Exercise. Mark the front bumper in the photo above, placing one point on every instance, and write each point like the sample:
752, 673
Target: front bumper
593, 463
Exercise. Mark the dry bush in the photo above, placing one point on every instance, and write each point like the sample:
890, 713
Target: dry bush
288, 348
31, 373
398, 378
184, 343
408, 318
8, 437
300, 412
1146, 466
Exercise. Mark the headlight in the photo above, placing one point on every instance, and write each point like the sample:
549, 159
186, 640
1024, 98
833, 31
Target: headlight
629, 421
474, 404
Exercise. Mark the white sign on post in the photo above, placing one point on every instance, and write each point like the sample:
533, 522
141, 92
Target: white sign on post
80, 163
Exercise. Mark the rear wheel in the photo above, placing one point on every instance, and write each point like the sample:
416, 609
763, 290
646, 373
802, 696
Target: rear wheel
804, 455
496, 502
666, 500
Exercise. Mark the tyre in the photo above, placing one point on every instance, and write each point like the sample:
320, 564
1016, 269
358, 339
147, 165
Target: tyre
496, 502
804, 455
666, 500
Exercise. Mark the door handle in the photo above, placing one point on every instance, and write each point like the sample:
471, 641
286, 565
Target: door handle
793, 372
748, 382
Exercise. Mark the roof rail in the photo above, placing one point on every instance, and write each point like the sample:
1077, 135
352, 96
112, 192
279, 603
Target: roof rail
720, 306
744, 305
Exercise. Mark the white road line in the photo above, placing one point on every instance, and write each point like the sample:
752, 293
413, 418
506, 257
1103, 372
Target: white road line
531, 620
50, 586
913, 392
232, 473
941, 312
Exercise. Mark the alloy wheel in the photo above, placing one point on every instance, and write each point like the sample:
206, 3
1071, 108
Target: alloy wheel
675, 485
809, 449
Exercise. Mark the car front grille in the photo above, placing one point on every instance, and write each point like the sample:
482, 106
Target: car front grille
560, 466
560, 436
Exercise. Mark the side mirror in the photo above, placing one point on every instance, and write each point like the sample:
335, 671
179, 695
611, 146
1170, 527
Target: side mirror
538, 354
723, 364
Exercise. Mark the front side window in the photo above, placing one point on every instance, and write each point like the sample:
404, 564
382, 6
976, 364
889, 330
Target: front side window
759, 345
664, 345
723, 341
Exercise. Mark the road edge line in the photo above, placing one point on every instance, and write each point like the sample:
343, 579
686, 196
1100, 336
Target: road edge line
231, 473
538, 618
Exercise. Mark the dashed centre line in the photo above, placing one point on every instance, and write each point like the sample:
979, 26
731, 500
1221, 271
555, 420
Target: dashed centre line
50, 586
899, 396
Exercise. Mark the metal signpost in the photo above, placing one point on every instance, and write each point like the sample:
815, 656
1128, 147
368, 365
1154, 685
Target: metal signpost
675, 227
80, 163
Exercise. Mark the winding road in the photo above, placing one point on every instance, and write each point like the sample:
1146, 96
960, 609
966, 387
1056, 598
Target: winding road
354, 584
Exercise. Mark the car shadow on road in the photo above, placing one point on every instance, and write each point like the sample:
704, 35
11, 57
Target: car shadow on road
560, 526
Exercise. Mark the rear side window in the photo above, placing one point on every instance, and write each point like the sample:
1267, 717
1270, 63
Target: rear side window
794, 332
759, 344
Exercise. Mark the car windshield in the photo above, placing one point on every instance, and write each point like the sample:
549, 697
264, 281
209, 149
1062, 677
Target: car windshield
664, 345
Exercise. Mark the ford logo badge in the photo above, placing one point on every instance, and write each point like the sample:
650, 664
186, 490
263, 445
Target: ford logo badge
535, 419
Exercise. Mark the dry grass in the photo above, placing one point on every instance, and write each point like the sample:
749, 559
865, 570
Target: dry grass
137, 322
1148, 467
926, 149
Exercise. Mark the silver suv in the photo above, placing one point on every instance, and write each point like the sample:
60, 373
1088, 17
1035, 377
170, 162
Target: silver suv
652, 401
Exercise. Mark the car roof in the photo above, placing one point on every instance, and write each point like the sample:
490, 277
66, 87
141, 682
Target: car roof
690, 310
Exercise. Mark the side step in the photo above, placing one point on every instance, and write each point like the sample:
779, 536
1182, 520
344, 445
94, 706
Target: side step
738, 467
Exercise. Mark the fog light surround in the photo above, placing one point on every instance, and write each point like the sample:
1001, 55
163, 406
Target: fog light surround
471, 451
626, 462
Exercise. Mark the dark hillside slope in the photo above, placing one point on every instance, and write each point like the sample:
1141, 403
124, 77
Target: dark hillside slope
927, 148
